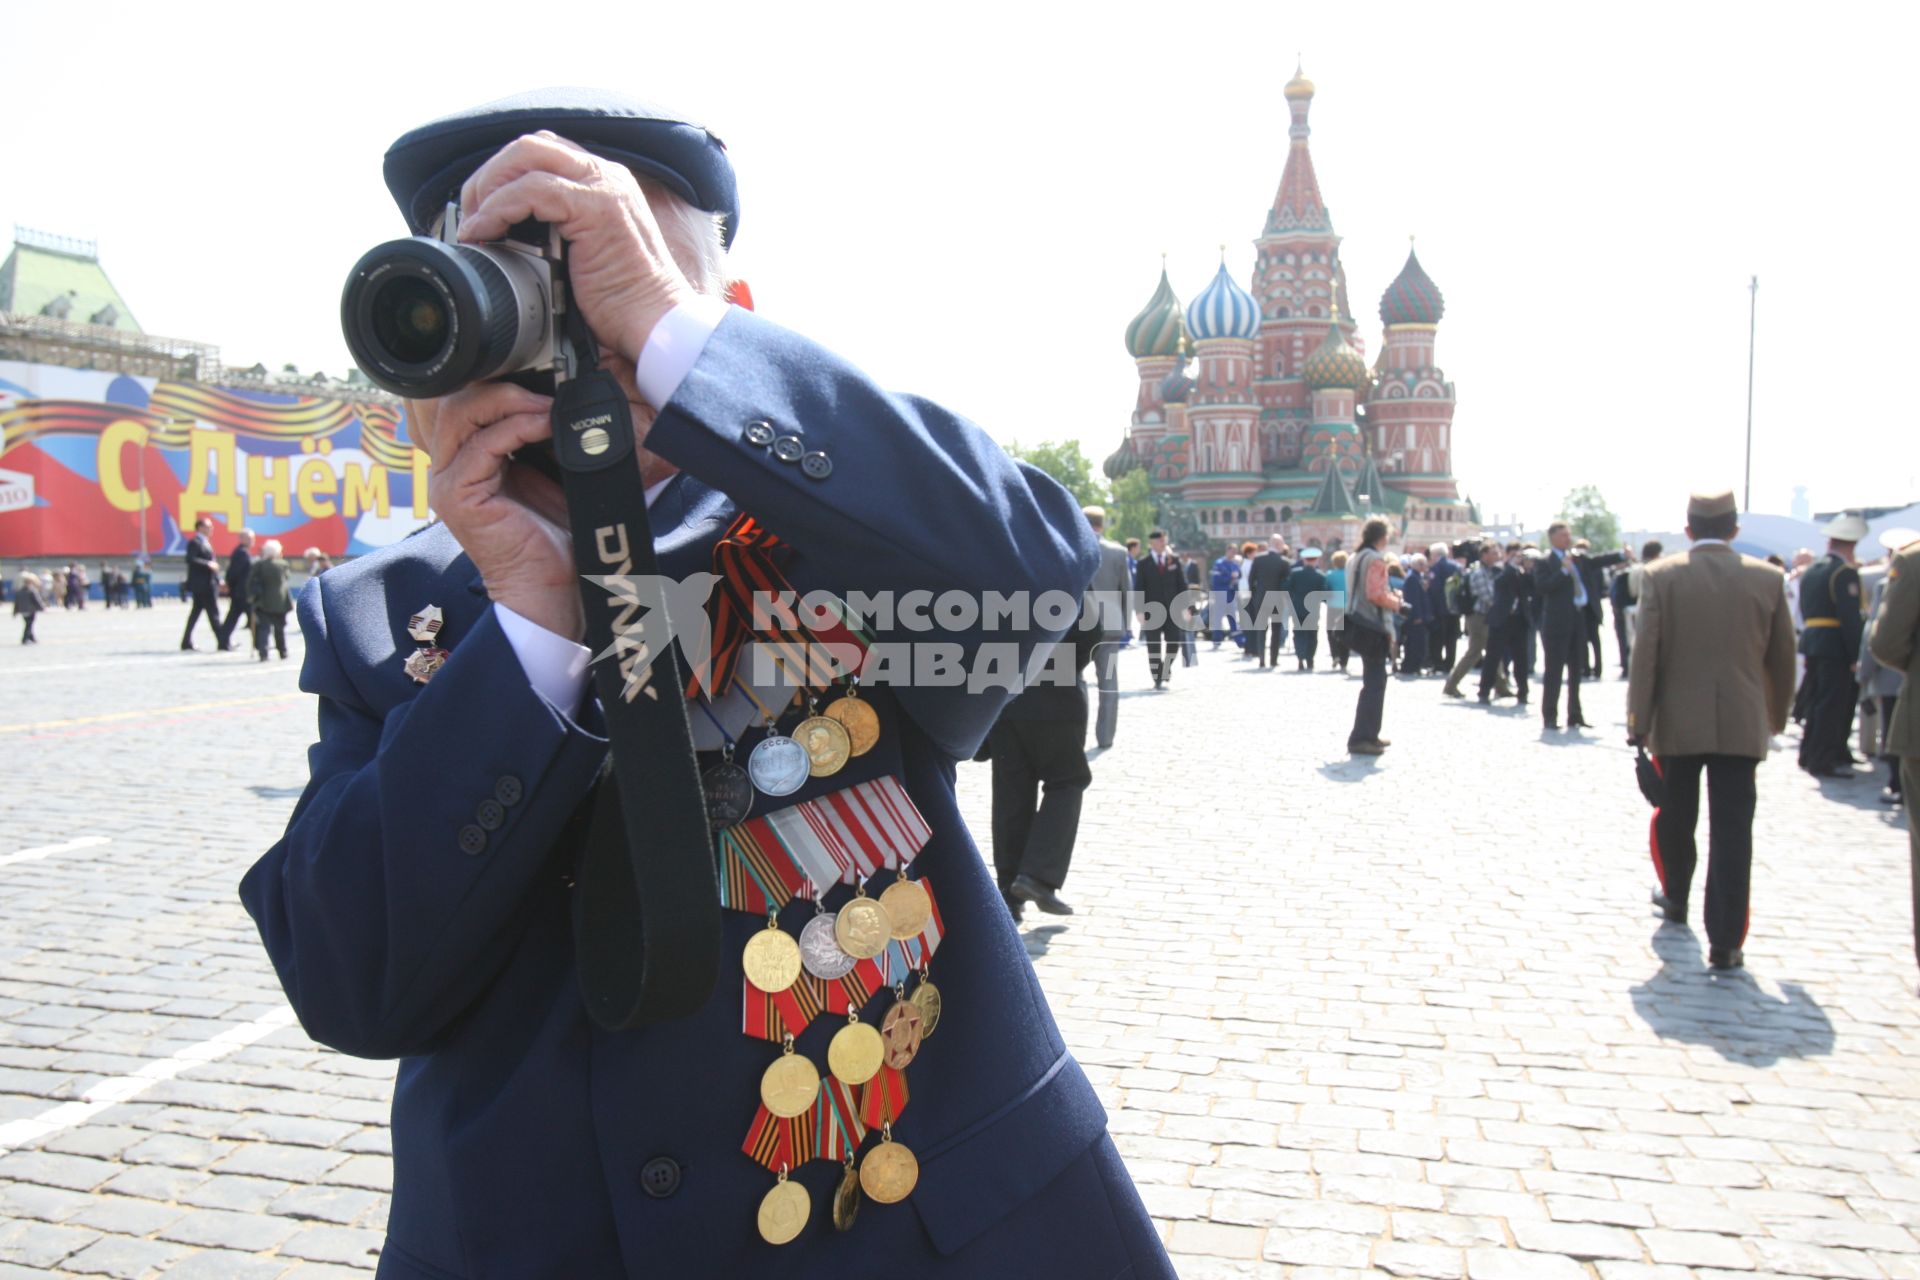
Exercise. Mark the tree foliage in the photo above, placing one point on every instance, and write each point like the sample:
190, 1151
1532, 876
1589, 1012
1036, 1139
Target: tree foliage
1130, 508
1064, 461
1588, 516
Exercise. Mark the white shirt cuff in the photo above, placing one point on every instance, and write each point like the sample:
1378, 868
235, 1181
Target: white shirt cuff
674, 347
555, 665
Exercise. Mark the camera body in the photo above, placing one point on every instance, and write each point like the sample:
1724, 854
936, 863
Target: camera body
427, 315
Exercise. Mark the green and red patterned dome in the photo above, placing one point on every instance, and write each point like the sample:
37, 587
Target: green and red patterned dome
1161, 328
1336, 364
1412, 298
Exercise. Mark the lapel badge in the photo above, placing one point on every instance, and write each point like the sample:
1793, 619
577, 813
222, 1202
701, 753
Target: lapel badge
424, 627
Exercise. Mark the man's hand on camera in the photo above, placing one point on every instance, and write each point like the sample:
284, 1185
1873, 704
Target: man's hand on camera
510, 519
624, 278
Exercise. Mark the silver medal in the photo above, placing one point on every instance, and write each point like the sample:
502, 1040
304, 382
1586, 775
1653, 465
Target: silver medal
820, 952
779, 766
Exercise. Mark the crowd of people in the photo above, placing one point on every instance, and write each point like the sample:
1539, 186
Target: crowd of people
258, 589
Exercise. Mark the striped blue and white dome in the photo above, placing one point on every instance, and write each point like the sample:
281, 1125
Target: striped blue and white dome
1223, 310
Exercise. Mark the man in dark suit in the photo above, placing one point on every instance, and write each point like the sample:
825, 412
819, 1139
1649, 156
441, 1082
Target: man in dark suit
1268, 605
1563, 599
239, 568
1830, 607
1161, 584
1040, 775
1507, 625
422, 902
1306, 589
1593, 576
202, 584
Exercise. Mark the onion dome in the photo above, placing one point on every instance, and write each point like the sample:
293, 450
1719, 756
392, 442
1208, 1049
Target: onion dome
1335, 364
1122, 460
1412, 298
1299, 86
1159, 329
1175, 386
1223, 310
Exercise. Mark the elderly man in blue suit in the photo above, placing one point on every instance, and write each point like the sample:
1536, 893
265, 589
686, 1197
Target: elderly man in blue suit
423, 902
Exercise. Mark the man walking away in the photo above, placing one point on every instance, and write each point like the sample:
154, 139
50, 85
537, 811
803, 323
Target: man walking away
1267, 606
1040, 775
1507, 625
1895, 640
1710, 682
268, 599
1447, 612
1830, 604
1107, 599
239, 567
201, 584
1306, 587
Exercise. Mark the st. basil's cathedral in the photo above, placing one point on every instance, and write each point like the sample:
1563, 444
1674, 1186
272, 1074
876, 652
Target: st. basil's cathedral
1280, 426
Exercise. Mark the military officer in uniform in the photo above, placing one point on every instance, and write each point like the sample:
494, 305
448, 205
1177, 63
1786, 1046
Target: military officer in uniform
422, 904
1830, 605
1895, 641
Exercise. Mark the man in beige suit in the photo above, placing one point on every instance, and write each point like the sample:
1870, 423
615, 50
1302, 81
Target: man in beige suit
1710, 682
1895, 642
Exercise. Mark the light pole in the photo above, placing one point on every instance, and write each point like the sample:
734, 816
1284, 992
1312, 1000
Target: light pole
1753, 308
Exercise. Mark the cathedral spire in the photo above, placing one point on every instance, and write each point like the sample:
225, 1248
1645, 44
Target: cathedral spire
1297, 205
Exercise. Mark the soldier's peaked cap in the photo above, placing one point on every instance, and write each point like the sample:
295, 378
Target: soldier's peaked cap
425, 166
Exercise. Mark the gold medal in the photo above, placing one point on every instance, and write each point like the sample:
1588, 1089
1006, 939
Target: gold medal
859, 719
926, 998
856, 1051
827, 744
783, 1211
890, 1171
901, 1033
907, 906
790, 1084
771, 959
861, 928
846, 1199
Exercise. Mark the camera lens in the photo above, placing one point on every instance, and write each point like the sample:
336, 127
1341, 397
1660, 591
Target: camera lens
409, 319
424, 318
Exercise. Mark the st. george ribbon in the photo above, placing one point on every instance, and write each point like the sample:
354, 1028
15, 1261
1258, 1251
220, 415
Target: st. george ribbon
646, 903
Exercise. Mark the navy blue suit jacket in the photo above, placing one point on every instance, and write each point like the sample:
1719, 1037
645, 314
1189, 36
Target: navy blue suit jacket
520, 1128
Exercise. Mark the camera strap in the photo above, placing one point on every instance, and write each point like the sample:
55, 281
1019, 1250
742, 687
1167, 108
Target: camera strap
646, 903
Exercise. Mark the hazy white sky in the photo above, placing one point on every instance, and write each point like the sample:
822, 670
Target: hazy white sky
971, 201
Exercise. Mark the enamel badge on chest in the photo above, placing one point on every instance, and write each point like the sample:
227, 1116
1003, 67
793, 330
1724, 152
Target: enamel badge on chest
424, 627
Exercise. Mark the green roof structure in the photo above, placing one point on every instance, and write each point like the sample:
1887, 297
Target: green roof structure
61, 278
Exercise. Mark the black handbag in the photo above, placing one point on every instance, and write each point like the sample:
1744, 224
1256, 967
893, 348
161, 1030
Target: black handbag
1647, 773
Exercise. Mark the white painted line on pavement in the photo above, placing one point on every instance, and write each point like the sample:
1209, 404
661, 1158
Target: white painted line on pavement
118, 1089
46, 850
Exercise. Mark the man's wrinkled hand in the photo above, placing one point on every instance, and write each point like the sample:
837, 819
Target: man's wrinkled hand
623, 275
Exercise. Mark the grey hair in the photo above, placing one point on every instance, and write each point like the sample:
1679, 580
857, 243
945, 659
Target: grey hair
270, 548
693, 236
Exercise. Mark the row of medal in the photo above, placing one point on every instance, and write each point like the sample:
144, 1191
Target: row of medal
780, 764
827, 1123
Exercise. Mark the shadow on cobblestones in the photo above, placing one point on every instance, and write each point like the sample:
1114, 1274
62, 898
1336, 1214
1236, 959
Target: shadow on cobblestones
1727, 1013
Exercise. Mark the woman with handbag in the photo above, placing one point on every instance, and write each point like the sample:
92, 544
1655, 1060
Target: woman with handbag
1372, 609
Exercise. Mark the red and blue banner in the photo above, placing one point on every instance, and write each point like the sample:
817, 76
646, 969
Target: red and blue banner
86, 456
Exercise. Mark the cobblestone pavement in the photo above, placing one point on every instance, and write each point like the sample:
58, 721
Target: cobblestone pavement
1409, 1017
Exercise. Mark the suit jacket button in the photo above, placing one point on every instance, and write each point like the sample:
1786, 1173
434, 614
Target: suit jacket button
789, 448
472, 839
490, 815
508, 791
660, 1177
760, 434
817, 465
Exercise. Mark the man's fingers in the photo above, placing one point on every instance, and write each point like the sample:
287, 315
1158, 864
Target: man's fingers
539, 194
457, 417
534, 151
479, 464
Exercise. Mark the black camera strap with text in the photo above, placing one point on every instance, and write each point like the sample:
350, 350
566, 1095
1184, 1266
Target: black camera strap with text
647, 904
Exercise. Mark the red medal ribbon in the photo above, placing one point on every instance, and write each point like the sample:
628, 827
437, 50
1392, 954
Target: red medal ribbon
883, 1098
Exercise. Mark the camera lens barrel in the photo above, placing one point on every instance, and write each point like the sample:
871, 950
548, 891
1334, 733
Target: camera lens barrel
423, 318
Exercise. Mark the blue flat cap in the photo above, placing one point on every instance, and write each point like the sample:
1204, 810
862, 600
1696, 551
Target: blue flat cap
425, 167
